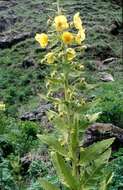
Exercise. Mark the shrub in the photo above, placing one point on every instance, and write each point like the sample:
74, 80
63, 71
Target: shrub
7, 181
38, 169
113, 114
117, 168
17, 136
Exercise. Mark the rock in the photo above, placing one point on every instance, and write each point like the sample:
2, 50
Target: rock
8, 22
3, 7
27, 159
10, 40
109, 60
39, 114
4, 24
5, 4
115, 27
106, 77
28, 62
119, 2
100, 131
99, 52
6, 148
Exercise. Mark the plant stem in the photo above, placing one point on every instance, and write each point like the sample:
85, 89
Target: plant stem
71, 129
58, 7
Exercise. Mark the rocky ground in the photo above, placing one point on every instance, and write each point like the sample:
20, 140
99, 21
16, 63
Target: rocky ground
22, 76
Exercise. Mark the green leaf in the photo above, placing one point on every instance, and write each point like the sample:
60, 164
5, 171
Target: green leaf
103, 158
53, 143
106, 181
64, 172
47, 185
93, 117
93, 151
95, 171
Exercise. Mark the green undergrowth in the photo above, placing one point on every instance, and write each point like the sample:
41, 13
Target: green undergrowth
20, 84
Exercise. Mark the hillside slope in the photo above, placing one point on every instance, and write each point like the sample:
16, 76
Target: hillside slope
21, 75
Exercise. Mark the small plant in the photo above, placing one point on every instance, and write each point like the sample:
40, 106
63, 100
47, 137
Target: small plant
38, 168
11, 134
78, 168
2, 106
7, 181
117, 167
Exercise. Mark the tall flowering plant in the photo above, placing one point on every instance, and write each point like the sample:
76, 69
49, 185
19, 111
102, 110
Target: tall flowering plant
78, 168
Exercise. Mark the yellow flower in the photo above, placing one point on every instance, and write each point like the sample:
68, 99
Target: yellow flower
67, 37
61, 23
60, 54
77, 21
50, 57
71, 54
81, 67
80, 37
42, 39
2, 106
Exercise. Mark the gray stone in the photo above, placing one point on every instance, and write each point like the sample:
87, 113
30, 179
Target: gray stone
10, 40
39, 114
100, 131
106, 77
109, 60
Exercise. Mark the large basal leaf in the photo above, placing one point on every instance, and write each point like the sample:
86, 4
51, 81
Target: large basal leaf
64, 172
93, 117
93, 151
53, 143
46, 185
95, 171
103, 158
106, 181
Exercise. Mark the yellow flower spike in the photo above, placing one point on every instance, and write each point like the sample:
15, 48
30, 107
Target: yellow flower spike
2, 106
77, 21
71, 24
49, 94
48, 84
50, 57
67, 37
81, 67
71, 54
42, 39
61, 23
53, 74
60, 54
49, 21
80, 37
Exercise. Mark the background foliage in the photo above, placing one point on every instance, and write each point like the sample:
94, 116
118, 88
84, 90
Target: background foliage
22, 78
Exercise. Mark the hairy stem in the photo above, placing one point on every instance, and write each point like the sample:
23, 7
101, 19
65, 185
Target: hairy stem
58, 7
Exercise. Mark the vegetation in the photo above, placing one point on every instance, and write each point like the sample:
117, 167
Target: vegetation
25, 162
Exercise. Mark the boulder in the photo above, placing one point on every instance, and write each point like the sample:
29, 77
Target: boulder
116, 27
106, 77
4, 24
28, 62
118, 2
39, 114
101, 131
110, 60
10, 40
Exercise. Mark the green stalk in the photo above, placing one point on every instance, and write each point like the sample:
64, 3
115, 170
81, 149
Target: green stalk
58, 7
70, 134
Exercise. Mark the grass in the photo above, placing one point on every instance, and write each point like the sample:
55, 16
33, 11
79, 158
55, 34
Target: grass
17, 84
